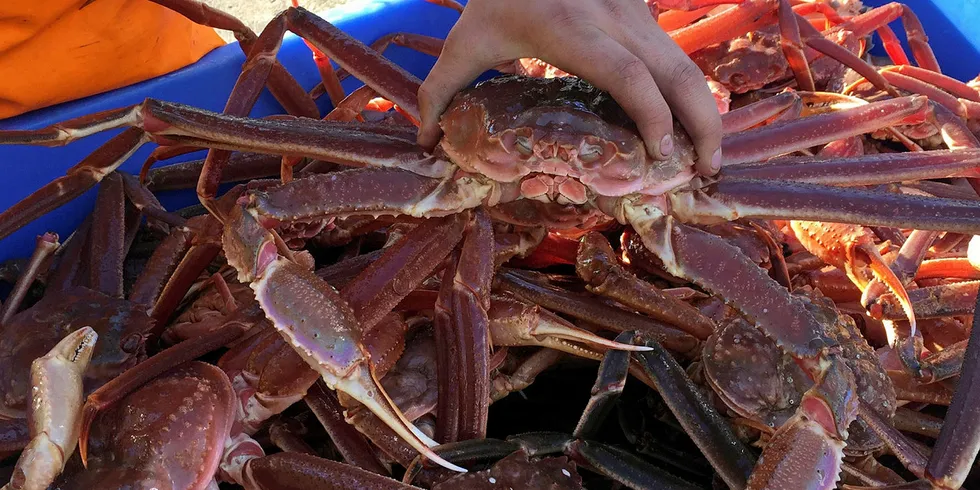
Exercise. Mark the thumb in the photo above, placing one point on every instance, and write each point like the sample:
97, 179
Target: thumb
452, 72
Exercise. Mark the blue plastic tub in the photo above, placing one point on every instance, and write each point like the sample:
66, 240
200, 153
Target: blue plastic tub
951, 24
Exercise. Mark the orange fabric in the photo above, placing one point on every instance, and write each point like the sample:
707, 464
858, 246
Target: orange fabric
53, 51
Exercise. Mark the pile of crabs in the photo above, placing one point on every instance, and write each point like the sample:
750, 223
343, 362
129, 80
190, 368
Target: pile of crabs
534, 304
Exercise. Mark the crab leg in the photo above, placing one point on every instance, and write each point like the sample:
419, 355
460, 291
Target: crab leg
851, 248
713, 435
281, 84
728, 200
862, 170
515, 323
863, 24
390, 80
80, 178
597, 265
351, 444
431, 46
169, 123
241, 167
56, 407
462, 322
964, 108
956, 268
745, 17
758, 112
609, 384
402, 268
317, 323
47, 244
180, 257
595, 312
767, 141
816, 40
934, 301
522, 377
307, 471
944, 82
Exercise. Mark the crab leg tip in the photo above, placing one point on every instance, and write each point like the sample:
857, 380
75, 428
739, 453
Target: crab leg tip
561, 331
363, 386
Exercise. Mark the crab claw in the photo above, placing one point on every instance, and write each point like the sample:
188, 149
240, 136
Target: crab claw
56, 380
851, 249
813, 438
323, 330
516, 323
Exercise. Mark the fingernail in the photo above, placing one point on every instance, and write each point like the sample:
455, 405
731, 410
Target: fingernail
716, 161
666, 145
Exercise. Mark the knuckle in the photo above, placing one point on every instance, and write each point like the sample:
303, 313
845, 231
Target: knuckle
685, 74
563, 14
632, 71
615, 9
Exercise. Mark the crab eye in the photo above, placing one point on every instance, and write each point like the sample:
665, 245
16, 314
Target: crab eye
590, 153
523, 145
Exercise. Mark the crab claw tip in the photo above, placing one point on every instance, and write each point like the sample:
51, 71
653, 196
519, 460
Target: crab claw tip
362, 385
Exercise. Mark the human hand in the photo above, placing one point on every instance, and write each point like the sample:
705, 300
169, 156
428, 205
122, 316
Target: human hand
614, 44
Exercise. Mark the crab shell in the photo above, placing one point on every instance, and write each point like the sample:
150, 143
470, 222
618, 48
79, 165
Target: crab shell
557, 140
122, 327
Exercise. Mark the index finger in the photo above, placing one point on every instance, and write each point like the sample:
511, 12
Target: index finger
684, 87
607, 64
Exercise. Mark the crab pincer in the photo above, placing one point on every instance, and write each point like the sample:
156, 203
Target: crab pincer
316, 322
56, 379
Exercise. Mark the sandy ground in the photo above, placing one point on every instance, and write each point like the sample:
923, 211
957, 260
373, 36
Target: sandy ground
257, 13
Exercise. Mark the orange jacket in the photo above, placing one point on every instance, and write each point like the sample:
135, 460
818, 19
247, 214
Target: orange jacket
53, 51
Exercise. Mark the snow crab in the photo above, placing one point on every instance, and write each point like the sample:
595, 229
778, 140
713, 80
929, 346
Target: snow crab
530, 153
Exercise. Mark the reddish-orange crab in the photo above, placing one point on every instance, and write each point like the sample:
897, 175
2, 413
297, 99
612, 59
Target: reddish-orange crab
530, 152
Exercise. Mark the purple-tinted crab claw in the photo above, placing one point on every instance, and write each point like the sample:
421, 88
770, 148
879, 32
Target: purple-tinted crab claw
316, 322
55, 419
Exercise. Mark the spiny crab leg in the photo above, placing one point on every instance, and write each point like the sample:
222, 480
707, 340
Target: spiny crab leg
462, 324
949, 84
728, 200
597, 266
758, 112
316, 321
851, 248
766, 141
959, 439
933, 301
390, 80
863, 170
56, 411
168, 123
